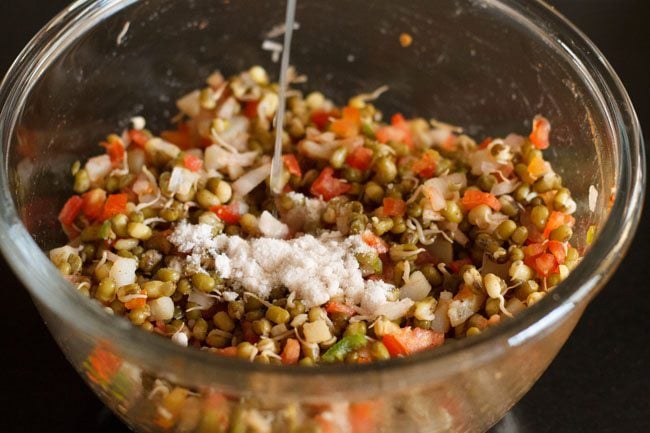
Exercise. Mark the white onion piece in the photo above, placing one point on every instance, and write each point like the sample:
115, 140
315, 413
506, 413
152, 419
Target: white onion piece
505, 187
514, 306
142, 185
351, 143
250, 180
316, 332
123, 271
317, 150
416, 288
98, 167
459, 236
465, 304
433, 190
202, 300
218, 158
182, 180
190, 104
228, 109
440, 322
271, 227
459, 179
237, 132
436, 137
593, 198
514, 141
395, 310
159, 145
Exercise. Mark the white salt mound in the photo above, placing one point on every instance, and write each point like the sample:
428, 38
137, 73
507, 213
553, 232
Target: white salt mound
314, 268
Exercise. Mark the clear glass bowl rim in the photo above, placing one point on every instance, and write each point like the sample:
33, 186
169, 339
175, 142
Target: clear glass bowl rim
45, 284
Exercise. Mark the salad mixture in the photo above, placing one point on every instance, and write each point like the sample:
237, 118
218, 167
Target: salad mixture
391, 236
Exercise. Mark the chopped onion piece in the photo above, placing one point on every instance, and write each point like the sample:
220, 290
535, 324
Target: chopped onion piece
271, 227
440, 322
394, 310
593, 197
218, 158
123, 271
201, 299
98, 167
416, 288
505, 187
182, 180
317, 150
250, 180
160, 145
316, 332
190, 104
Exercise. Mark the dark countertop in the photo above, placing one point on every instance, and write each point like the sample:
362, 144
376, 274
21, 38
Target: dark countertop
598, 383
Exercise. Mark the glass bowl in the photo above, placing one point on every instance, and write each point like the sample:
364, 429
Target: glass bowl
487, 65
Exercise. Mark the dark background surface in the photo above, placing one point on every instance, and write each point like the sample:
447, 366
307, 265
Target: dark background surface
600, 381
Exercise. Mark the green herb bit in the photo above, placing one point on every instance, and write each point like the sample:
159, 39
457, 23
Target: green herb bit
345, 345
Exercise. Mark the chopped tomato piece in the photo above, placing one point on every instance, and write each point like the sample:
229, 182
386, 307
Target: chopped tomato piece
327, 186
374, 241
291, 162
348, 125
390, 133
360, 158
450, 143
138, 137
540, 133
394, 207
425, 167
558, 249
228, 213
485, 143
115, 149
534, 250
412, 340
94, 203
250, 109
339, 307
70, 210
230, 351
291, 351
248, 333
102, 365
473, 198
326, 425
180, 137
400, 123
556, 220
320, 118
192, 163
352, 114
115, 204
544, 264
363, 417
537, 167
137, 302
456, 265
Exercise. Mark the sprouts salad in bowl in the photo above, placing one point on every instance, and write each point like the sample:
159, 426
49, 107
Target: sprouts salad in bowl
391, 235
